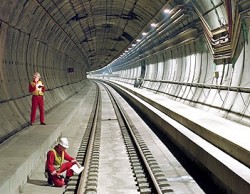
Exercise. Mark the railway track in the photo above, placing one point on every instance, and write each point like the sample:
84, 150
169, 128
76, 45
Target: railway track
145, 173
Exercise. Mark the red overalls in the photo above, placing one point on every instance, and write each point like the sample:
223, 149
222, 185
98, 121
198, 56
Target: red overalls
52, 168
37, 100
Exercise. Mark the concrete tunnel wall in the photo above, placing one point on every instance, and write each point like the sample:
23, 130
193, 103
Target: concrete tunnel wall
30, 42
221, 89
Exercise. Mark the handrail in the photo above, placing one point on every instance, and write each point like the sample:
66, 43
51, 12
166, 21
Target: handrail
209, 86
201, 85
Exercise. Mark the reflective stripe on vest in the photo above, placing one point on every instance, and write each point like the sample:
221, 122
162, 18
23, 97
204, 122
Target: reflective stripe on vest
58, 159
37, 92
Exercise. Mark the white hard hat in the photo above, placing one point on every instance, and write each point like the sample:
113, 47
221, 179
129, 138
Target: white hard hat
64, 142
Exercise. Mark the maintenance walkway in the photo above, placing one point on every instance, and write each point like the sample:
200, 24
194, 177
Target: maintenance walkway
222, 146
25, 152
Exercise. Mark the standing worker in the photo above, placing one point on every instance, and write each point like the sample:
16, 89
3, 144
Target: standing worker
37, 89
54, 166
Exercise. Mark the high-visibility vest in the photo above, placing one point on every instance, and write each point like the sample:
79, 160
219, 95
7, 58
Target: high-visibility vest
58, 159
38, 91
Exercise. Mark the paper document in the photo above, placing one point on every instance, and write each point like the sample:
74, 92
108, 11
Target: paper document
77, 169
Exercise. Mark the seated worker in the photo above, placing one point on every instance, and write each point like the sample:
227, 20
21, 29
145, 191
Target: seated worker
54, 165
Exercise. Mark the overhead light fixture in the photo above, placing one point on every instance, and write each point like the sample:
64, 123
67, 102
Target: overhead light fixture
153, 25
166, 11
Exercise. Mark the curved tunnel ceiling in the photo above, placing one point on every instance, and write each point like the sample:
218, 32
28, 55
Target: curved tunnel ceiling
96, 32
99, 29
103, 29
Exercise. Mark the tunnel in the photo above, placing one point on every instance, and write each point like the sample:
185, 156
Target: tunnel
193, 52
196, 54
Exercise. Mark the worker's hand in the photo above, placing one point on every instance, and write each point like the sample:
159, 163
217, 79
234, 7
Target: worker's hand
59, 175
39, 87
79, 165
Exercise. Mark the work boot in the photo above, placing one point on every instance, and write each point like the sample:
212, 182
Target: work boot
66, 180
49, 179
50, 182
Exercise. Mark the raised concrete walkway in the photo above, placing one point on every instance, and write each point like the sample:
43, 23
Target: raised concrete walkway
203, 135
23, 153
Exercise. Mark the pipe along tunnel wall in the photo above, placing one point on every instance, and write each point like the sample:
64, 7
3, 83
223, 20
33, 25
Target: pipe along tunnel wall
187, 74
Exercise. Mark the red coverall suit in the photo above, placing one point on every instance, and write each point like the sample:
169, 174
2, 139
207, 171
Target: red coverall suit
37, 100
53, 169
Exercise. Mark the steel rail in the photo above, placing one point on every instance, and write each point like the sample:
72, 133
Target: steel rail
83, 179
126, 122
